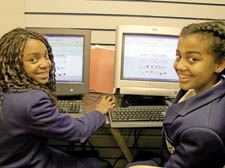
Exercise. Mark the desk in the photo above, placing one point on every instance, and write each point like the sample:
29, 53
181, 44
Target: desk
90, 101
120, 141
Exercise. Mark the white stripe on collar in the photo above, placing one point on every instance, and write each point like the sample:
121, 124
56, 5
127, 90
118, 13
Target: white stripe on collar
191, 93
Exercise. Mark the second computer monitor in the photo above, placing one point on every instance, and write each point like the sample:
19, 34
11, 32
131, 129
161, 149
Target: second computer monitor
144, 60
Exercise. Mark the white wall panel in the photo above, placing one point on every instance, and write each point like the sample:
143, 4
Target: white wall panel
79, 21
106, 37
87, 6
189, 11
179, 23
11, 15
107, 14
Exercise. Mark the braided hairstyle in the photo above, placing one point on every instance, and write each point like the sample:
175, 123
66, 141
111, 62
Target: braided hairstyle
13, 76
214, 33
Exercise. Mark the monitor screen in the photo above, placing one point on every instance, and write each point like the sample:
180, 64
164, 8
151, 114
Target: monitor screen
71, 50
144, 60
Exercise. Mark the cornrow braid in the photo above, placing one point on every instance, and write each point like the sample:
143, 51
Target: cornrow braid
13, 77
217, 28
214, 32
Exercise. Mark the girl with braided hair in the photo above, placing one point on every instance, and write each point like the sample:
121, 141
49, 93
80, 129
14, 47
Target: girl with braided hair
28, 112
194, 125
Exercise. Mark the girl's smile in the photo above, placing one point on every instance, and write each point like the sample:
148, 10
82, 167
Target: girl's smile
184, 78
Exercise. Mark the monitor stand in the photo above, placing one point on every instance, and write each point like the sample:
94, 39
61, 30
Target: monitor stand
142, 100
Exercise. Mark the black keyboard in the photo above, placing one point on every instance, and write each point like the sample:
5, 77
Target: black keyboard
137, 116
74, 108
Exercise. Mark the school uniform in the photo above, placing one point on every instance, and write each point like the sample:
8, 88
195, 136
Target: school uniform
194, 131
29, 119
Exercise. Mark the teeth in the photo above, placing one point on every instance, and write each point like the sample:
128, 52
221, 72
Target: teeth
184, 76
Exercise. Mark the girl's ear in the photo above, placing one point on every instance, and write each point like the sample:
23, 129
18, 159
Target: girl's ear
220, 66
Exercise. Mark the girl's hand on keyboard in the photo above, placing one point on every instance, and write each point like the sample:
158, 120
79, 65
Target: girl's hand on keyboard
105, 104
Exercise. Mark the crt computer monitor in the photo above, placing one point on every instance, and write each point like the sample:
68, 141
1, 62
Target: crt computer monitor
71, 50
144, 60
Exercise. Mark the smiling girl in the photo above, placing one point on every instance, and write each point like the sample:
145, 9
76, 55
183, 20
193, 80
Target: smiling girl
194, 125
28, 112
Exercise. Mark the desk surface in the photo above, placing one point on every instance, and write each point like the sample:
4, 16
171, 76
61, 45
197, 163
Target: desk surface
90, 101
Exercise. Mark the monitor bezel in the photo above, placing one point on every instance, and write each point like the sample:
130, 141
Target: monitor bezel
151, 88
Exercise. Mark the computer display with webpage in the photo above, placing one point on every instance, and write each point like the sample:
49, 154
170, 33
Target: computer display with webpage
144, 60
71, 49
